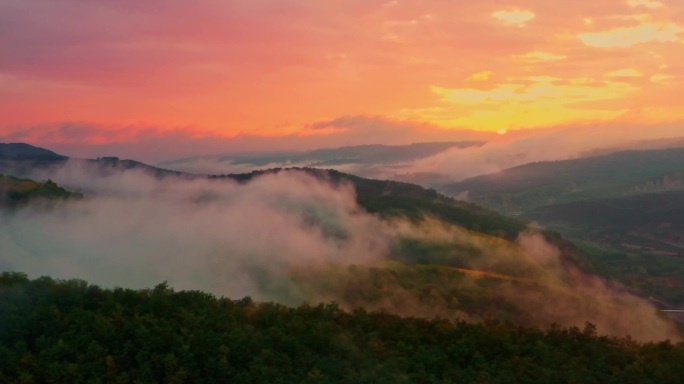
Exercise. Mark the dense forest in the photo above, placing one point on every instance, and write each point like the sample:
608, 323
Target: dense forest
55, 331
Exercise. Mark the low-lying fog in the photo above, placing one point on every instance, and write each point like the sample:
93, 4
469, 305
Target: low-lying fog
134, 230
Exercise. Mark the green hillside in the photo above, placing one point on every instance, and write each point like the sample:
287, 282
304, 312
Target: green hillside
71, 332
624, 210
656, 217
16, 192
638, 239
393, 199
114, 164
398, 199
537, 184
488, 278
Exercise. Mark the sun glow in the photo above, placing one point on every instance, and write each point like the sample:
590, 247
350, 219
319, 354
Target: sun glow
530, 103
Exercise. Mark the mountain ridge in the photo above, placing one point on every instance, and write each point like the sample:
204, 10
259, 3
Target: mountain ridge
356, 154
536, 184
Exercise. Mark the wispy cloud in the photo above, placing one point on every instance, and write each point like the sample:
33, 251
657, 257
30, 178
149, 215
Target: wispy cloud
517, 17
663, 32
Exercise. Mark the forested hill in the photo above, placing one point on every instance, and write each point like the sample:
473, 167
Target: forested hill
71, 332
115, 164
393, 198
554, 182
15, 192
26, 152
21, 160
389, 199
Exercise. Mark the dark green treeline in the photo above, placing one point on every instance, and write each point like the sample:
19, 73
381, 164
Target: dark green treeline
70, 332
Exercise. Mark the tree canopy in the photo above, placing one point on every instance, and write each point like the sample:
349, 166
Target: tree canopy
55, 331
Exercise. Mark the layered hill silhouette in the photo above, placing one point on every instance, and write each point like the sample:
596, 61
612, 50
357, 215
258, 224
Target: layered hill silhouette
330, 157
23, 160
533, 185
26, 152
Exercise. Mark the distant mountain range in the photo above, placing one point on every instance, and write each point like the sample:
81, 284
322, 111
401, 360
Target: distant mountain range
26, 152
329, 157
22, 160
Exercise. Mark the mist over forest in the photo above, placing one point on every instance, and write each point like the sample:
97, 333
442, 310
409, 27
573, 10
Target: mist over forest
297, 236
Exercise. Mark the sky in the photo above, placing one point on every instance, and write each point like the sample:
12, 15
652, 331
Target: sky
182, 78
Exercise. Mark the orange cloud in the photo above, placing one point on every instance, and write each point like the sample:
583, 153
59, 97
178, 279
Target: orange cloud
538, 56
480, 76
662, 32
535, 102
627, 72
651, 4
661, 78
515, 17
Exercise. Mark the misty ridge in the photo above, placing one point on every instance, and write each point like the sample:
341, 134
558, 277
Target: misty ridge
439, 163
133, 228
291, 237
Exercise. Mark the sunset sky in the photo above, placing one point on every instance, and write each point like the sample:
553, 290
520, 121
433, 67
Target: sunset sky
83, 72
